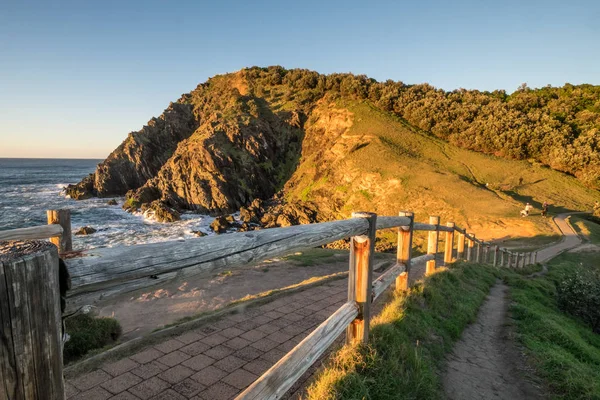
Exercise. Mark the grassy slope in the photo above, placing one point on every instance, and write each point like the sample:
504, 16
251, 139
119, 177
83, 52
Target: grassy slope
390, 166
408, 340
565, 352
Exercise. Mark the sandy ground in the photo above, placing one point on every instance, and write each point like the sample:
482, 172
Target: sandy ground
147, 310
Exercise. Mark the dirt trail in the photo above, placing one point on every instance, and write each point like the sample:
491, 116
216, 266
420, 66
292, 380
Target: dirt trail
485, 363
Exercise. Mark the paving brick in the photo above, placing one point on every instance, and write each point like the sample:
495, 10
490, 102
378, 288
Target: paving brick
193, 349
264, 344
169, 394
248, 353
237, 343
90, 380
124, 396
219, 391
251, 324
199, 362
240, 378
240, 317
219, 352
120, 367
96, 393
293, 329
174, 358
304, 311
232, 332
253, 335
258, 367
209, 375
230, 363
70, 390
274, 314
280, 337
287, 309
176, 374
147, 355
149, 370
281, 323
190, 337
207, 330
121, 383
287, 346
188, 387
273, 355
296, 317
214, 339
169, 346
268, 328
149, 388
224, 324
262, 319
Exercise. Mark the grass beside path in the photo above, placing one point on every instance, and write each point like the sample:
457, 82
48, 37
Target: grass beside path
408, 339
564, 351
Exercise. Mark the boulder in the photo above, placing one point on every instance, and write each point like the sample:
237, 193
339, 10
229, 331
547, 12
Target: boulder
199, 233
160, 212
85, 230
112, 202
83, 190
220, 224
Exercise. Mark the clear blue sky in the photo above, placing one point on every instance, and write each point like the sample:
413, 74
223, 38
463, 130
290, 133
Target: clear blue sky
77, 76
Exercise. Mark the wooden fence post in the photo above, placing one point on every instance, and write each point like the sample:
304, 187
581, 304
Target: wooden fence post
360, 279
502, 256
495, 256
470, 249
404, 251
478, 251
31, 362
449, 244
508, 259
63, 218
535, 257
460, 248
432, 244
486, 253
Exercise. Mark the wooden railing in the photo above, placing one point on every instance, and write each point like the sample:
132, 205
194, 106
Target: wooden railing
100, 273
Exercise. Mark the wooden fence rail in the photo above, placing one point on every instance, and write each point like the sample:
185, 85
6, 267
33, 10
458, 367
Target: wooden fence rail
100, 273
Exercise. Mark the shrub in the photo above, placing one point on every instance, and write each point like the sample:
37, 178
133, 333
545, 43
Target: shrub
579, 295
89, 333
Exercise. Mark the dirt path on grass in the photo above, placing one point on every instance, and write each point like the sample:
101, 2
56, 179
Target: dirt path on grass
486, 363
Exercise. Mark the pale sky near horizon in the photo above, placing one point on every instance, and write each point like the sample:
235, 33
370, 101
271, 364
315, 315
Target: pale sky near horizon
77, 76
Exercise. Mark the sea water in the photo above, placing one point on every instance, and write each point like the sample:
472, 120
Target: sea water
29, 187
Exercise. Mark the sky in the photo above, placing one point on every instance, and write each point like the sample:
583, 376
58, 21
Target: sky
77, 76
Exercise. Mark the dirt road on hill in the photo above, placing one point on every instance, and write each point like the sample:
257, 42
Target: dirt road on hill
486, 363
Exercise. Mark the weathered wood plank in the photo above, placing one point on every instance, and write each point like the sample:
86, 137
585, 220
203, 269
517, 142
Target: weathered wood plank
31, 345
32, 233
460, 249
449, 244
432, 244
64, 242
108, 267
360, 279
404, 251
385, 280
393, 222
424, 227
280, 377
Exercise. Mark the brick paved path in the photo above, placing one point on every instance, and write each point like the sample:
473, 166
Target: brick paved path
218, 360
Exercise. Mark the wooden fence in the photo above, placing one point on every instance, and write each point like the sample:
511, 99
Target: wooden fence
31, 371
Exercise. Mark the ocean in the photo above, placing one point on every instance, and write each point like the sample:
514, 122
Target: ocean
29, 187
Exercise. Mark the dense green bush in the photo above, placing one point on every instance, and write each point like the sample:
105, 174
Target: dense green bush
579, 295
88, 333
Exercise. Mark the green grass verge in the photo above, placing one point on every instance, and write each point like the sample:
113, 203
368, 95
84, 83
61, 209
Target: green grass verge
408, 340
88, 334
564, 351
587, 228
